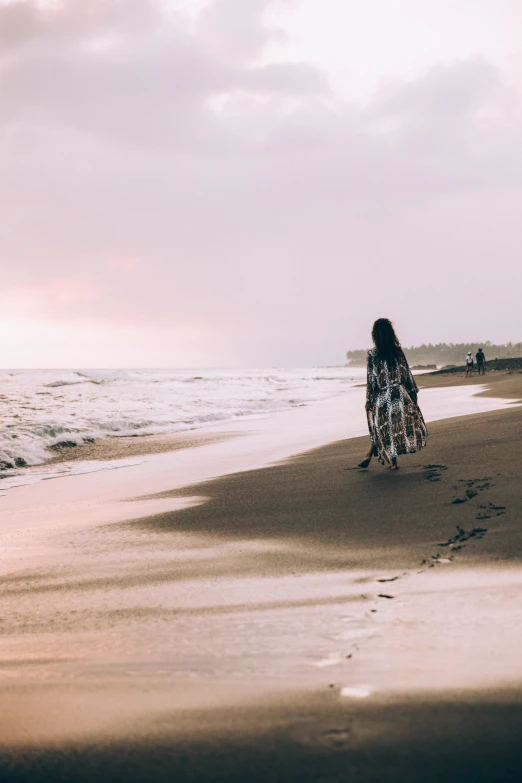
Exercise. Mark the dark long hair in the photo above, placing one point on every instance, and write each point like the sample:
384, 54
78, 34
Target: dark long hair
386, 341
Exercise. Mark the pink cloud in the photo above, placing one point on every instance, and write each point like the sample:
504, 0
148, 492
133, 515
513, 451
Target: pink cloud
172, 178
61, 297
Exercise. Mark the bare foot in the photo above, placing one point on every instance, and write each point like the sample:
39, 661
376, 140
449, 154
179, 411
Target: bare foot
366, 461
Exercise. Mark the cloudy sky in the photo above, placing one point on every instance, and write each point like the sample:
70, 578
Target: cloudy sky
253, 182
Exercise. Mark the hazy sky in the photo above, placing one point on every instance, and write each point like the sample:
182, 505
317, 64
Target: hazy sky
246, 182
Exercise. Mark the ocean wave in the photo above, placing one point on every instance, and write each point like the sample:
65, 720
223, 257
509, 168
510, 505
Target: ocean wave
50, 412
57, 384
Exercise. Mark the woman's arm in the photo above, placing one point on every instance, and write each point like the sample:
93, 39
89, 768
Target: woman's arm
409, 381
371, 389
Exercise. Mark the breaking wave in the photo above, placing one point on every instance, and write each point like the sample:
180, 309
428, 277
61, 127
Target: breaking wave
48, 412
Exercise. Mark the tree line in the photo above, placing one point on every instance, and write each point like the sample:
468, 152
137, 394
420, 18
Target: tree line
446, 353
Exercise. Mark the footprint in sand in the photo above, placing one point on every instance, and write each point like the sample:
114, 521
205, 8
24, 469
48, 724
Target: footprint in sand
436, 560
471, 488
433, 472
490, 510
457, 542
464, 535
335, 738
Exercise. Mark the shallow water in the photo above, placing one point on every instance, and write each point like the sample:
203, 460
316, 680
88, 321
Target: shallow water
48, 412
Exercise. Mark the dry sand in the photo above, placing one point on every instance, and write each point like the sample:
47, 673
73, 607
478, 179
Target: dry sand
304, 621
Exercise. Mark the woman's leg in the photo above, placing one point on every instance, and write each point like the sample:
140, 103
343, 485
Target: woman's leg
366, 461
394, 465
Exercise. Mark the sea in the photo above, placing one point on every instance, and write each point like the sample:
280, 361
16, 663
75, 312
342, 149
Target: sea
45, 412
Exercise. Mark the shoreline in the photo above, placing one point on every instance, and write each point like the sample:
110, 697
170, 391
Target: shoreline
123, 447
182, 612
114, 448
220, 451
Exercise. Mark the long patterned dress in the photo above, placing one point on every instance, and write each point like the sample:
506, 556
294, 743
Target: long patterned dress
395, 420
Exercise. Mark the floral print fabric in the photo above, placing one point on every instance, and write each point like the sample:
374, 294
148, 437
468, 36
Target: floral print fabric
395, 420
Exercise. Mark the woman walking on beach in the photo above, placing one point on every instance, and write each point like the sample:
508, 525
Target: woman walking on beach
395, 420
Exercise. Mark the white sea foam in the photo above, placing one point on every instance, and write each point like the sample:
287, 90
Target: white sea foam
46, 410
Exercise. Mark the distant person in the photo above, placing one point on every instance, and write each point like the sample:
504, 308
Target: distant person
481, 361
395, 421
469, 364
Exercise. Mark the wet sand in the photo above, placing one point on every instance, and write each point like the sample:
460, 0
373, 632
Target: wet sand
303, 621
115, 448
453, 737
139, 446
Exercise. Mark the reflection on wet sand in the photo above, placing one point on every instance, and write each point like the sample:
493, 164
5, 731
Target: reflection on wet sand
301, 614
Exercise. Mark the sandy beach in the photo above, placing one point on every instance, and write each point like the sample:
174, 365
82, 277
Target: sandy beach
246, 246
255, 608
